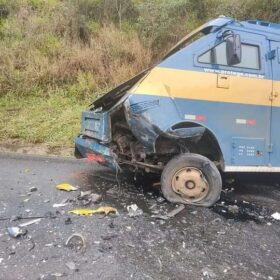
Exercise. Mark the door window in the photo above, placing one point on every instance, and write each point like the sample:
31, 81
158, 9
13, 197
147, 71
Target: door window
250, 56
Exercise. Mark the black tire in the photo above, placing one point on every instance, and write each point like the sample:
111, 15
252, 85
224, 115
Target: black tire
205, 166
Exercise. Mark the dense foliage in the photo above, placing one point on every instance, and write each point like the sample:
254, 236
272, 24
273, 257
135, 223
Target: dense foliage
60, 54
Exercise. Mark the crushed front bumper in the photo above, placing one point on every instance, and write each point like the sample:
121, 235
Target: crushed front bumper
86, 147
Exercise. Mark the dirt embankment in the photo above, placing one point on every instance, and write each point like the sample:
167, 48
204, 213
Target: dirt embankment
19, 147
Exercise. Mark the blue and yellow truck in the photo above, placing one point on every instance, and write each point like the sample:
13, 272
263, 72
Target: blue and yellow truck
211, 106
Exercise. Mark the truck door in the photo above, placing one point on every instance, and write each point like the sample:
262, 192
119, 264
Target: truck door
242, 108
275, 100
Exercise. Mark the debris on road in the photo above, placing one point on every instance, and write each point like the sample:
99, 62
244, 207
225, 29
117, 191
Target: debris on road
32, 244
87, 197
206, 272
233, 209
216, 221
101, 210
16, 231
95, 197
66, 187
63, 203
134, 210
276, 216
108, 237
160, 199
170, 214
33, 189
76, 241
58, 205
36, 221
71, 266
84, 194
68, 221
19, 217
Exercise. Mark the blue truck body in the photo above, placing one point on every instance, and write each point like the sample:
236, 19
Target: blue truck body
193, 101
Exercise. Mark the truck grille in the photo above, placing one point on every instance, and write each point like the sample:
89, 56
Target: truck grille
96, 125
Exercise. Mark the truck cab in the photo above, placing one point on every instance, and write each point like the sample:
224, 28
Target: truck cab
209, 107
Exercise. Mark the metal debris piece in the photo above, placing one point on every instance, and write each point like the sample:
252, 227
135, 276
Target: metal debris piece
30, 223
276, 216
176, 211
16, 218
33, 189
66, 187
134, 210
170, 214
76, 242
101, 210
16, 231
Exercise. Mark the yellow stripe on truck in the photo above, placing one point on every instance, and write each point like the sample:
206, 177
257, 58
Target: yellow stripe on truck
203, 86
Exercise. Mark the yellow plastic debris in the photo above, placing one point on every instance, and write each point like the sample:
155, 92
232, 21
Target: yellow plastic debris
66, 187
101, 210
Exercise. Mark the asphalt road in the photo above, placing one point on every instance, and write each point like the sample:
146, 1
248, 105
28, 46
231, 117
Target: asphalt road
236, 239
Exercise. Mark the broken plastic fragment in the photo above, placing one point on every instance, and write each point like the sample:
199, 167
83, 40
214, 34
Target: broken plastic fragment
134, 210
57, 205
71, 265
66, 187
101, 210
276, 216
16, 231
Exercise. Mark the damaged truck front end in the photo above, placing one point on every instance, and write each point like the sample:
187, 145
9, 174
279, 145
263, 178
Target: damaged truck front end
136, 133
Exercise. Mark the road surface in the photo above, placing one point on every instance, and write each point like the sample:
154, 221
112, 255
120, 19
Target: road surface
235, 239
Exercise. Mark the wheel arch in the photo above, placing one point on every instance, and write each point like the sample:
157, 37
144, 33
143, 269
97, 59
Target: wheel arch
205, 143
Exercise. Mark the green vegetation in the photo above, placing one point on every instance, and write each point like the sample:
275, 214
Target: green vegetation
57, 56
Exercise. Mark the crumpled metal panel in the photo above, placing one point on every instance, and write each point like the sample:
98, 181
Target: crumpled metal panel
96, 125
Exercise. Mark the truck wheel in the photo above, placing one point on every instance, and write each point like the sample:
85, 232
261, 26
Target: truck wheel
191, 179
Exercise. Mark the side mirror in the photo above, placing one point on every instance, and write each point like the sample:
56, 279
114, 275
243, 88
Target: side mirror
233, 47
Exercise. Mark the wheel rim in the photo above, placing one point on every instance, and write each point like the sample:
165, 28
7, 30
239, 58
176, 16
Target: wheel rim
190, 184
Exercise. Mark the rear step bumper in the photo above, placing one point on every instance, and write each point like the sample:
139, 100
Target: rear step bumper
94, 151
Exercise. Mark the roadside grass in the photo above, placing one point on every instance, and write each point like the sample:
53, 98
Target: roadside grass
57, 56
54, 120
